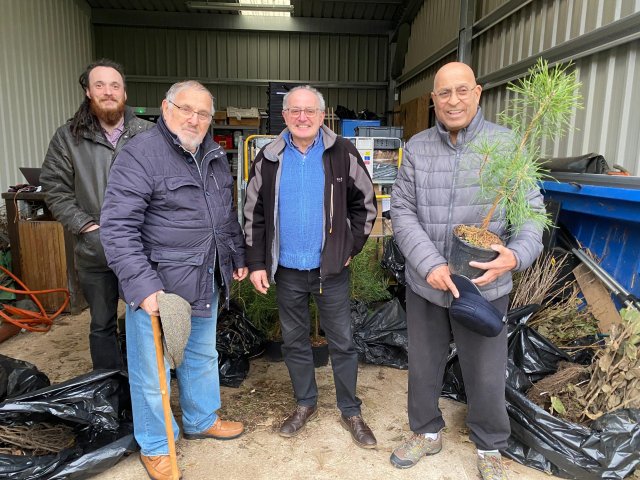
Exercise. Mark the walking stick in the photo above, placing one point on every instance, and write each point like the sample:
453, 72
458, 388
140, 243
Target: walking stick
164, 392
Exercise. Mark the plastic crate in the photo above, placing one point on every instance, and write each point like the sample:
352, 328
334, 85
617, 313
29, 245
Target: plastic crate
390, 132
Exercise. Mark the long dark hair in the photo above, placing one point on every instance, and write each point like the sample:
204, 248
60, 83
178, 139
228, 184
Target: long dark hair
83, 120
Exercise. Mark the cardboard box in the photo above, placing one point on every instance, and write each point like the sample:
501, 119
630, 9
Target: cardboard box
220, 118
249, 117
382, 227
247, 122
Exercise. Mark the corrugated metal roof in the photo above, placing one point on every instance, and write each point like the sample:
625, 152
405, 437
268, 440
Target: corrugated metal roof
389, 10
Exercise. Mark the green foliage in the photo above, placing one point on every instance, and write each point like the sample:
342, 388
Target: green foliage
368, 284
557, 405
541, 108
368, 280
261, 309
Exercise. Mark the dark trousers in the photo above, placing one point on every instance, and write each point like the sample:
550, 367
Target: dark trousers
294, 288
100, 288
483, 361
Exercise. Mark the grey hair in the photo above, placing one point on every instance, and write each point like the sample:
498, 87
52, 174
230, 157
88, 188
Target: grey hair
285, 100
176, 88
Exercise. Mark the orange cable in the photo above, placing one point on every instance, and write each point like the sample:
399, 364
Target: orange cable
28, 319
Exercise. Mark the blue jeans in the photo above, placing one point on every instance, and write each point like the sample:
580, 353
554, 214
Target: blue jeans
198, 380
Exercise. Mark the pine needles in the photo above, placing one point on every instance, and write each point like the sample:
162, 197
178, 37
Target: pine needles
541, 108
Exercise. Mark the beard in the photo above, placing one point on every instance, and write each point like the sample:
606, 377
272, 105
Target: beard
110, 115
190, 142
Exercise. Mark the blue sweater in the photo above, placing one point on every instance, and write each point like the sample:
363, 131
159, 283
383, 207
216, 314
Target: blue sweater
301, 206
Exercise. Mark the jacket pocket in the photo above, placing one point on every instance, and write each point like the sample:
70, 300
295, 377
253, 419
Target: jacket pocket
89, 251
180, 272
186, 195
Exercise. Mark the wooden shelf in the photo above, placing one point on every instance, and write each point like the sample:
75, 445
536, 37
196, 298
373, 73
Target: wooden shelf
233, 127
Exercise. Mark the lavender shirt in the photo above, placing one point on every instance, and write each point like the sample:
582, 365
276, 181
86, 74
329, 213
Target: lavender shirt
115, 135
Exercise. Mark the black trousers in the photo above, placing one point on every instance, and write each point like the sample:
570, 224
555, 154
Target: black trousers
483, 361
294, 288
100, 289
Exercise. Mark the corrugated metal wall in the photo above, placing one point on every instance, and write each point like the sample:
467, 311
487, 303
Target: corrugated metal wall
609, 122
435, 25
239, 64
44, 46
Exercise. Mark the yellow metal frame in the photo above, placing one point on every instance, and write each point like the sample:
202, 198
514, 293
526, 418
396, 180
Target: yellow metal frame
246, 153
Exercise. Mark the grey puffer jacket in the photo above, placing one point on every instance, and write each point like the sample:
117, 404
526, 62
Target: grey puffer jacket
437, 189
74, 177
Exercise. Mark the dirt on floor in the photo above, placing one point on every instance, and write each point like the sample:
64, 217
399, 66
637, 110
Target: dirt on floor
323, 450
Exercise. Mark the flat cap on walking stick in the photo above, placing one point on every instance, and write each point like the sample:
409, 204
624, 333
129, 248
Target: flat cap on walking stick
175, 317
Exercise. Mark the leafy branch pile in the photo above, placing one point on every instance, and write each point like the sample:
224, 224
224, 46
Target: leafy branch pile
615, 371
545, 284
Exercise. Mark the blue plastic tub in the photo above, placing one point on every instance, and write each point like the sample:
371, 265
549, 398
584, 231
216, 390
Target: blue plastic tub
606, 220
349, 126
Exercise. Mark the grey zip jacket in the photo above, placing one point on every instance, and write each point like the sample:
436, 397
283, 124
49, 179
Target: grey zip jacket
437, 189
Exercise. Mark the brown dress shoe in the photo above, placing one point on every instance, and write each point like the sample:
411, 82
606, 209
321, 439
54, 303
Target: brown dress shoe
158, 468
220, 430
298, 419
360, 432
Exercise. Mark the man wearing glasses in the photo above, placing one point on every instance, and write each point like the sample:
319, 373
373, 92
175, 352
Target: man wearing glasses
436, 189
168, 225
309, 210
74, 177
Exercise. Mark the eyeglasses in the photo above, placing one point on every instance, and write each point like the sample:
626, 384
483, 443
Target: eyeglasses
296, 112
461, 92
187, 112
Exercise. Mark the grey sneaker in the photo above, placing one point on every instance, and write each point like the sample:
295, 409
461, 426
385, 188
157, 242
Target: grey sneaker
491, 467
408, 454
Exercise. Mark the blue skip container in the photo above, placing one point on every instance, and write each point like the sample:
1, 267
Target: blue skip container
605, 218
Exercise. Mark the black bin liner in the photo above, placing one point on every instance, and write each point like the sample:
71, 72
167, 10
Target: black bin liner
98, 407
393, 260
18, 377
381, 337
608, 449
237, 340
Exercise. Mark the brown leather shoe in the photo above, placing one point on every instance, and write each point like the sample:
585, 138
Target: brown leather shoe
220, 430
158, 468
298, 419
361, 434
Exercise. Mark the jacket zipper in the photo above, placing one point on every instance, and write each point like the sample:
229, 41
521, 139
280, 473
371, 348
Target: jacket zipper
215, 252
331, 211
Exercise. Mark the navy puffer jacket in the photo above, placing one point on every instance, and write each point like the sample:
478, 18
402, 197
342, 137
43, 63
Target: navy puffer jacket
164, 225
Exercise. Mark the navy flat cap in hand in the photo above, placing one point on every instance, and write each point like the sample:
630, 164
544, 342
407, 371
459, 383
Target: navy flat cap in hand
473, 311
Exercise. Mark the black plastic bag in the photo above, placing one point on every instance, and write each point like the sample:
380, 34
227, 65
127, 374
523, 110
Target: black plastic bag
393, 260
237, 340
536, 356
367, 115
609, 448
381, 338
18, 377
345, 113
98, 407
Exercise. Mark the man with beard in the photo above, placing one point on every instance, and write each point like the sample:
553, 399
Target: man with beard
74, 176
169, 226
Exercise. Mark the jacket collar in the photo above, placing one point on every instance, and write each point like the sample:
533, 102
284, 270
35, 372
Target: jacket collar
465, 135
273, 151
